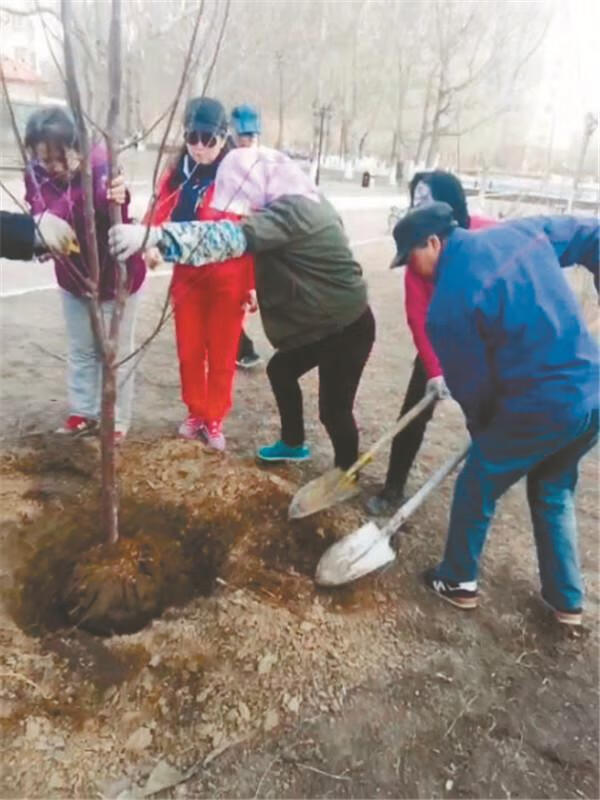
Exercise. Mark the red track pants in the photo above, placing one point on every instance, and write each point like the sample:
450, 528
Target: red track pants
208, 320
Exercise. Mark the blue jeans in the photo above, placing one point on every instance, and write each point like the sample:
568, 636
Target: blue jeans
497, 459
84, 364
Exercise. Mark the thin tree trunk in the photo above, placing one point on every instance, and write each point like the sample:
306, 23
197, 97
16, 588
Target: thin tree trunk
280, 102
110, 499
424, 119
362, 143
435, 126
109, 518
590, 125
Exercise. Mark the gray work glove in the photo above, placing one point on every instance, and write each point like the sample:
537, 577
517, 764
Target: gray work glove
438, 387
125, 240
53, 233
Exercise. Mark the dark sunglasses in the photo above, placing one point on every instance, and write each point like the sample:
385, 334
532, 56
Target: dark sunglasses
205, 138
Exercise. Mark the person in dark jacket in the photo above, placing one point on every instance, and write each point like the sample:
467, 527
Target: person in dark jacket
22, 235
519, 359
311, 292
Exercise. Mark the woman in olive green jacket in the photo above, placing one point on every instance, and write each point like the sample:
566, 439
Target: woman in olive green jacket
311, 292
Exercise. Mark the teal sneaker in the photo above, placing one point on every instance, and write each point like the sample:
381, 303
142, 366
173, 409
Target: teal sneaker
280, 451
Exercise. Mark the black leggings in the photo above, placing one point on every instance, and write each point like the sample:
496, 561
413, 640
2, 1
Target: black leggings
406, 444
341, 359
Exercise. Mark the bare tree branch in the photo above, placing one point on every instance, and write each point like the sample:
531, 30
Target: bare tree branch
531, 52
483, 121
86, 175
144, 135
179, 91
13, 120
169, 27
203, 44
217, 47
47, 33
28, 12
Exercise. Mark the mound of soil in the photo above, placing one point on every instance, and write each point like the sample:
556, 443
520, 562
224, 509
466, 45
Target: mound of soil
174, 544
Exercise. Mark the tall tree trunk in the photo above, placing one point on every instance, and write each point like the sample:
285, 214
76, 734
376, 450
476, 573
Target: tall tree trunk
424, 119
361, 143
434, 137
403, 80
394, 147
590, 125
280, 102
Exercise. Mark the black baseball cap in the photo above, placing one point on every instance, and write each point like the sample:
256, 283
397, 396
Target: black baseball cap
433, 219
205, 115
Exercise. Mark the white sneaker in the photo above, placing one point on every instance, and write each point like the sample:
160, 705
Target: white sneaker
213, 435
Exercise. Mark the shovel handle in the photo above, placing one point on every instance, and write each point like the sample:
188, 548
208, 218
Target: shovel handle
411, 505
404, 420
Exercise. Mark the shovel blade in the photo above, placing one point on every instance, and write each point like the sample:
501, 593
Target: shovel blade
322, 492
354, 556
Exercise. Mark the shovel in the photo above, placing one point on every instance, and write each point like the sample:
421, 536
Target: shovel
368, 548
335, 486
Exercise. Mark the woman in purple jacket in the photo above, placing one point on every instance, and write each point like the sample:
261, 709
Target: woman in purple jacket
53, 183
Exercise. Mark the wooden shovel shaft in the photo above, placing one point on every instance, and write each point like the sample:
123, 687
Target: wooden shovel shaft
411, 505
402, 423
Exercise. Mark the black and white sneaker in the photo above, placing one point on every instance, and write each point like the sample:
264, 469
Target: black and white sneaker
249, 362
462, 595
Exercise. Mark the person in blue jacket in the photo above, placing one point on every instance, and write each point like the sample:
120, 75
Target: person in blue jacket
519, 359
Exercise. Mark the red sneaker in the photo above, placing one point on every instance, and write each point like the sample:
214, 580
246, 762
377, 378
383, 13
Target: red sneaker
76, 425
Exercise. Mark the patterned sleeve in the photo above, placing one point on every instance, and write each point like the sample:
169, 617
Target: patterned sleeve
200, 243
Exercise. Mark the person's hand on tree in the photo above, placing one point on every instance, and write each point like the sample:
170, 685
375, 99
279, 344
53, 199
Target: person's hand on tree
53, 233
438, 387
250, 303
117, 191
125, 240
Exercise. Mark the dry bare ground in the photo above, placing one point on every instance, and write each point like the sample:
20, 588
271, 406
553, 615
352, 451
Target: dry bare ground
257, 684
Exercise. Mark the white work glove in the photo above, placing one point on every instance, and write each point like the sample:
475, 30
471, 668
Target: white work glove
53, 233
125, 240
437, 386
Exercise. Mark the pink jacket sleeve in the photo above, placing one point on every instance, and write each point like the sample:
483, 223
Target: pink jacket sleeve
417, 294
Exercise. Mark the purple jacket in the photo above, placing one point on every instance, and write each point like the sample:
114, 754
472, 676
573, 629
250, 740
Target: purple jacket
44, 193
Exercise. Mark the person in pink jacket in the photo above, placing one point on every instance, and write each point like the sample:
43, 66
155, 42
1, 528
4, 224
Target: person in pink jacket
427, 376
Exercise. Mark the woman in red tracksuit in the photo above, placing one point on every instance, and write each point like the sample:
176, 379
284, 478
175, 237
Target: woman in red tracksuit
208, 304
425, 187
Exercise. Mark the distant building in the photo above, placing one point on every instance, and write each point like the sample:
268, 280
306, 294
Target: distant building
20, 58
24, 83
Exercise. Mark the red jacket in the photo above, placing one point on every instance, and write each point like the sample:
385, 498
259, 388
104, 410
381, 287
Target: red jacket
166, 203
417, 296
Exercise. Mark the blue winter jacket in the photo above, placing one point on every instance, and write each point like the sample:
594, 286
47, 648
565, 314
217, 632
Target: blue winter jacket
507, 328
